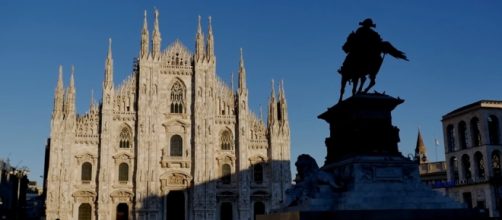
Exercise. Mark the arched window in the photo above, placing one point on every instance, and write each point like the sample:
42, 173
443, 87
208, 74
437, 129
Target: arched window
258, 173
226, 140
84, 211
125, 138
480, 164
176, 146
493, 129
466, 166
454, 168
177, 97
123, 172
496, 163
226, 174
462, 135
86, 174
226, 211
258, 209
450, 138
475, 134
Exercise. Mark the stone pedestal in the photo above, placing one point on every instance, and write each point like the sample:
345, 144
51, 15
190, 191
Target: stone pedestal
364, 175
361, 125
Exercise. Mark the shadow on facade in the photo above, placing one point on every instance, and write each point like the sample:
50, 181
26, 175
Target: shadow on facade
230, 195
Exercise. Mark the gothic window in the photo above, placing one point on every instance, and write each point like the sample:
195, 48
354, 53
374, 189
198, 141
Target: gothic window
176, 146
259, 209
462, 135
480, 164
466, 166
226, 174
125, 138
258, 173
450, 138
226, 211
454, 168
226, 140
123, 172
496, 163
475, 134
493, 129
84, 211
177, 97
86, 174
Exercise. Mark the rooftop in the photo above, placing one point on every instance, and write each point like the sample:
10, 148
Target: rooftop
475, 105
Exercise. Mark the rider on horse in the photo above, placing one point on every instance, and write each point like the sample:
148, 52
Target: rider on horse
364, 50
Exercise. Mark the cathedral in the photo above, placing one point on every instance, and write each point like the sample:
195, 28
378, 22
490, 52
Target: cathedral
170, 142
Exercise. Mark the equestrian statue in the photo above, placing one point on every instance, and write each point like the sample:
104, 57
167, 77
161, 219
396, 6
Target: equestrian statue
365, 53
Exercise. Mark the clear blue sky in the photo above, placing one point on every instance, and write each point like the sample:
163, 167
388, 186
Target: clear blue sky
454, 47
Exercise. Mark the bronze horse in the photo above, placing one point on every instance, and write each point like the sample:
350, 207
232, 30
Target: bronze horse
358, 64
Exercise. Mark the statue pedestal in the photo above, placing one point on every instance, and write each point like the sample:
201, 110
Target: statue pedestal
374, 180
361, 125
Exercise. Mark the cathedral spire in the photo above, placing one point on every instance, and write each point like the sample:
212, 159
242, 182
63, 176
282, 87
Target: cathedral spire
242, 75
232, 80
156, 36
144, 39
272, 105
420, 149
210, 42
283, 107
58, 95
69, 104
199, 43
92, 99
108, 83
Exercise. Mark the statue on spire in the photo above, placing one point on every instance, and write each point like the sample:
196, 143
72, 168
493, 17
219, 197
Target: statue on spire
365, 53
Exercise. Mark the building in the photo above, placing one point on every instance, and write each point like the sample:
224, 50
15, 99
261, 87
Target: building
473, 148
172, 141
431, 173
13, 188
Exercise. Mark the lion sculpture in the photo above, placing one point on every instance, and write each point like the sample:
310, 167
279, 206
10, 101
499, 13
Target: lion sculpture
308, 179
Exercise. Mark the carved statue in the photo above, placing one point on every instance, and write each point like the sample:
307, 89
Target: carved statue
365, 53
308, 178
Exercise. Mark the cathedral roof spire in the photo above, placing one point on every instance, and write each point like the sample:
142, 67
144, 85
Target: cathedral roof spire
283, 111
58, 95
69, 104
108, 83
242, 75
232, 80
210, 42
199, 42
144, 39
272, 107
71, 88
156, 36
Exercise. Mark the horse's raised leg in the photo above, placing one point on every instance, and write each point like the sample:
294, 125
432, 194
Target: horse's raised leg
354, 86
372, 83
363, 79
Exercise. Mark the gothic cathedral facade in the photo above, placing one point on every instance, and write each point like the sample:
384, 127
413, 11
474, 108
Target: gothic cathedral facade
172, 141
